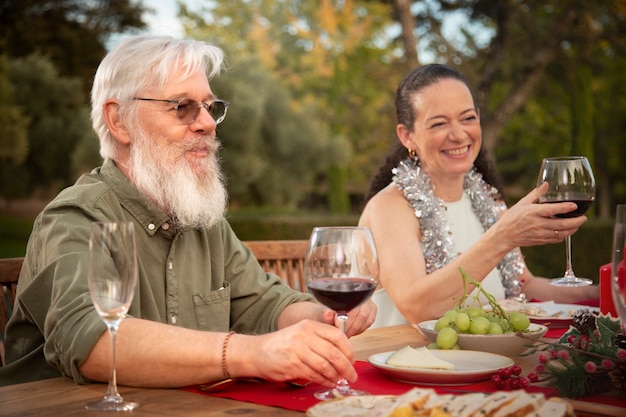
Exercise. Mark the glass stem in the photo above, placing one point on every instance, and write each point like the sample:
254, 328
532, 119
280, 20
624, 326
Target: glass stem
112, 393
569, 271
342, 384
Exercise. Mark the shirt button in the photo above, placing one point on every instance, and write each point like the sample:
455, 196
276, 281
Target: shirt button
151, 226
165, 226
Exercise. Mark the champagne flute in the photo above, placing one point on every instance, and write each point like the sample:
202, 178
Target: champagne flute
341, 271
570, 178
112, 277
618, 266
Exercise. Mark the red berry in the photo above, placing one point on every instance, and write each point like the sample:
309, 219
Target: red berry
515, 383
516, 369
583, 342
523, 382
533, 377
506, 372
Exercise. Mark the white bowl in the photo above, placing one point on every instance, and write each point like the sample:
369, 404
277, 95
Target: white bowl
502, 344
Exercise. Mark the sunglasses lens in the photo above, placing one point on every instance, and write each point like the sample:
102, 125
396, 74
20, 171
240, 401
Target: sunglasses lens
187, 110
217, 109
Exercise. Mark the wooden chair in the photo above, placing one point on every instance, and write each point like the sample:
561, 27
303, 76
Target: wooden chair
9, 273
284, 258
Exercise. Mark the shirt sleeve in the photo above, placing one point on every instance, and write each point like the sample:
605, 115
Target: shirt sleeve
55, 293
257, 297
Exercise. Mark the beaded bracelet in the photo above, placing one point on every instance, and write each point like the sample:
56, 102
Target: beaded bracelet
224, 347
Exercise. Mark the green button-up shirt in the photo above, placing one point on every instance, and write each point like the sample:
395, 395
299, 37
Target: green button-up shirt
197, 279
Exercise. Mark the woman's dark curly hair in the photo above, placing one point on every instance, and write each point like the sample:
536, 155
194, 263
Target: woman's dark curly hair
411, 85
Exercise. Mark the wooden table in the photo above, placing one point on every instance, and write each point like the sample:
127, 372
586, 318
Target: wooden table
62, 397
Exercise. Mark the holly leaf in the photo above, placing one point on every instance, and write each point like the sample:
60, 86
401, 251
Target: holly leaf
607, 328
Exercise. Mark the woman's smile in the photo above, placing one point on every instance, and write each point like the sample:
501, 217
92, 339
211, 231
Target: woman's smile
458, 151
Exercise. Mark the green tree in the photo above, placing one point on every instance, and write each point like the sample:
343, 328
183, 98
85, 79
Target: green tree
13, 122
333, 60
59, 119
271, 149
71, 33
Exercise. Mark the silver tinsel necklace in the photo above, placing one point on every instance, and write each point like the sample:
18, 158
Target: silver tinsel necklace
438, 244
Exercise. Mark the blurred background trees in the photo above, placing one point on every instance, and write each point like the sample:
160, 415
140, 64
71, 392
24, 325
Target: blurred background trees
312, 87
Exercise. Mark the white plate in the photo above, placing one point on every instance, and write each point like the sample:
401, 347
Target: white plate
469, 366
556, 315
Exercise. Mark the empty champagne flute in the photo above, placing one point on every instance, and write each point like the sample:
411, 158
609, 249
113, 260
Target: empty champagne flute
569, 178
112, 277
341, 271
618, 265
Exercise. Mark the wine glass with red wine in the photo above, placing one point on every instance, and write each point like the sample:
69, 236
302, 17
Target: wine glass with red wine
570, 179
341, 271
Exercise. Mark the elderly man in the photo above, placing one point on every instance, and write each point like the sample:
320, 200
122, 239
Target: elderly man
203, 308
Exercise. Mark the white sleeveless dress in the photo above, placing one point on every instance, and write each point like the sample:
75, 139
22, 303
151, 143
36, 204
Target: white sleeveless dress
466, 229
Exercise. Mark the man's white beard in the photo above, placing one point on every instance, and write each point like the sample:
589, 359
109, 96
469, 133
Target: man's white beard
192, 199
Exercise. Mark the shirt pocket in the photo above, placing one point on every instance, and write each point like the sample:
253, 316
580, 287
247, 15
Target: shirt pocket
213, 309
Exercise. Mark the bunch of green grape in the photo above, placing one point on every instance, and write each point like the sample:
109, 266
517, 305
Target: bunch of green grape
475, 320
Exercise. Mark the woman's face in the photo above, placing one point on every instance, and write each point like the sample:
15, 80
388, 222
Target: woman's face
446, 133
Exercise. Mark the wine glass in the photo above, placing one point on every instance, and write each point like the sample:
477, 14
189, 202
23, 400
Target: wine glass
570, 178
618, 265
341, 271
112, 277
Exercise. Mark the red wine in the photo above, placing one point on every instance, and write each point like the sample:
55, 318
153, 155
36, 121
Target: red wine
583, 206
341, 294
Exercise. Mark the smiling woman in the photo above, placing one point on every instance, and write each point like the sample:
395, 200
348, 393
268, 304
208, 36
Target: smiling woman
435, 205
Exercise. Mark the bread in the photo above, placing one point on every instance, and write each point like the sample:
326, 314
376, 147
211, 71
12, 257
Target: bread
425, 402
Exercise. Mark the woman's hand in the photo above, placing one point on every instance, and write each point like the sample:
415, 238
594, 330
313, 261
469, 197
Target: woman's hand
528, 223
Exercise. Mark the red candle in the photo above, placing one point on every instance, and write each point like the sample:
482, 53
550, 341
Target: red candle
607, 306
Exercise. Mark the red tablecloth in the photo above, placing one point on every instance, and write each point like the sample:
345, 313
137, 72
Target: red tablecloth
370, 379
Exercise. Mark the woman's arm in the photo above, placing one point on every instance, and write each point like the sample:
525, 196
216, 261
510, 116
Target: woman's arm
420, 296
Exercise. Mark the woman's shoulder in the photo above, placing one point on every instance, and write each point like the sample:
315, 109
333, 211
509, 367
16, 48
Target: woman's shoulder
388, 195
387, 202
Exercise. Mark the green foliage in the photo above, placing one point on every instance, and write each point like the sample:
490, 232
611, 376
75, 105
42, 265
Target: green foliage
275, 224
72, 33
271, 150
58, 117
13, 123
330, 57
575, 364
14, 236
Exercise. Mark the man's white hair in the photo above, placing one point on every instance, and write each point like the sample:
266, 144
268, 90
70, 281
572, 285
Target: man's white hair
141, 62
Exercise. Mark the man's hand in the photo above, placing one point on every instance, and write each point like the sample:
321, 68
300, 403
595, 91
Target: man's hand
359, 319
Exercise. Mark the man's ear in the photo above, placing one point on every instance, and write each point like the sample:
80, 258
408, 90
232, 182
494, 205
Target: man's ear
114, 122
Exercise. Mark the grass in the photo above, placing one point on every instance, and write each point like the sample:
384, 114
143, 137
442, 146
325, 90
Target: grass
15, 231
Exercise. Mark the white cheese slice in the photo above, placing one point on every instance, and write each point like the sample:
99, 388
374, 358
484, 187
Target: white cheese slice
420, 357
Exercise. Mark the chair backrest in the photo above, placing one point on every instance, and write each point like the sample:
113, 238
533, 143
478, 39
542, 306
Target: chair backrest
284, 258
9, 274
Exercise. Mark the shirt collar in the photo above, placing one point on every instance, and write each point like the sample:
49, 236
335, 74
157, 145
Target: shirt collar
145, 212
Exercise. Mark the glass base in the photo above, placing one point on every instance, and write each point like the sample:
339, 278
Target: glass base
571, 282
334, 393
112, 404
